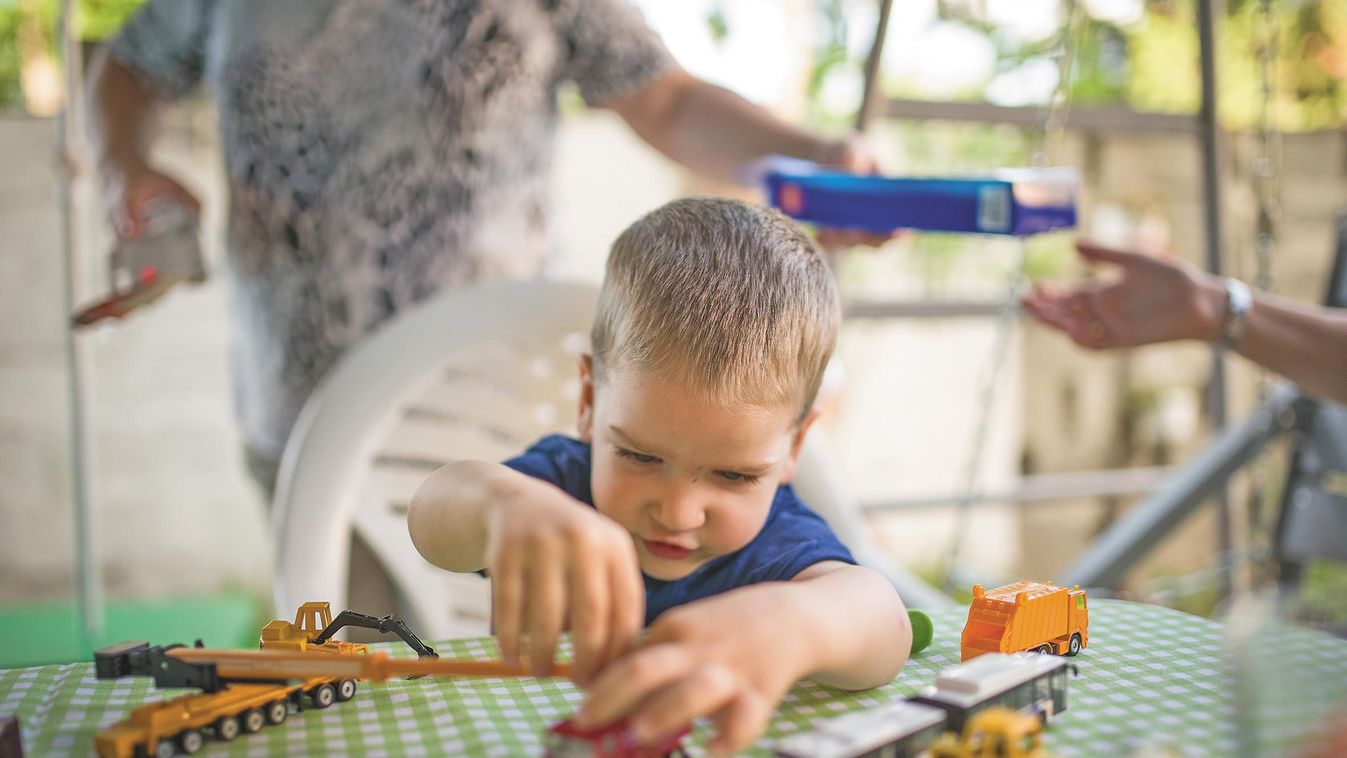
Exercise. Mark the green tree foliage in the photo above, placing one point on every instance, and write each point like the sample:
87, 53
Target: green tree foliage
95, 20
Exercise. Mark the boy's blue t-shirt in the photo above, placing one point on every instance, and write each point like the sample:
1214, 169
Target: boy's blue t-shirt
792, 539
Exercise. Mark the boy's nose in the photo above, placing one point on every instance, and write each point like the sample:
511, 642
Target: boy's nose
678, 510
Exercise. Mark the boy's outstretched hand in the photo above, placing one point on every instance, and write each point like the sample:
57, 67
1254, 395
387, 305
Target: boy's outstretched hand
721, 657
556, 564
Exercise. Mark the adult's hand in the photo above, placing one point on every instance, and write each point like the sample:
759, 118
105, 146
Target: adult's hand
131, 191
1152, 299
852, 155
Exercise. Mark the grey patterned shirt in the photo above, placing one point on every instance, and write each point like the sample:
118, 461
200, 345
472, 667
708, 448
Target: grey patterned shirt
377, 152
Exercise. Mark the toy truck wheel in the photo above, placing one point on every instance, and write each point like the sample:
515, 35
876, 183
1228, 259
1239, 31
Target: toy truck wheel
191, 741
277, 711
227, 728
1045, 649
253, 720
324, 695
165, 749
345, 690
1075, 645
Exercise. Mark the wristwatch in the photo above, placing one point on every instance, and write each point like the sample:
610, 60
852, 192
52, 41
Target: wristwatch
1238, 301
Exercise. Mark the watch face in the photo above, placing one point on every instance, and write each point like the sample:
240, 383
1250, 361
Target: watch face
1238, 300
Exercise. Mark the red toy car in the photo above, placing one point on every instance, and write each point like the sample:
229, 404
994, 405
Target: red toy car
564, 740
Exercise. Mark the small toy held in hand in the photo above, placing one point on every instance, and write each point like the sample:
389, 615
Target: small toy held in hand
1026, 616
141, 270
564, 740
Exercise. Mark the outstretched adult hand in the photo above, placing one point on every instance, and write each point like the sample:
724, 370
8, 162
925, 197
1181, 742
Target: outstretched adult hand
1152, 299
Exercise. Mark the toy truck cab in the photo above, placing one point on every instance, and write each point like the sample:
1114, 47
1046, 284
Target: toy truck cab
310, 621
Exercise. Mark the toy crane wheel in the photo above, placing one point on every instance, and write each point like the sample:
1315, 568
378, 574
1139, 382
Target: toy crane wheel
191, 741
1045, 649
276, 712
227, 728
345, 690
254, 720
1074, 648
324, 695
165, 749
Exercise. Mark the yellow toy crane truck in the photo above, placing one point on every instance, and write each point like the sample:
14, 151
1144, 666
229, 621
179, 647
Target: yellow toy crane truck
314, 627
245, 690
994, 733
1026, 616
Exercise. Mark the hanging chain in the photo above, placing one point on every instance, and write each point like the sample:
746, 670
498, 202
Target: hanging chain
1267, 195
1046, 143
1266, 188
1051, 130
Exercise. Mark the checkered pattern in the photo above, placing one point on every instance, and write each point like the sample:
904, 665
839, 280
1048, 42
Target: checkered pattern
1151, 677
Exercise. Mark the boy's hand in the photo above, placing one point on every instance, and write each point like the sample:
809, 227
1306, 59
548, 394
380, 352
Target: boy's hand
556, 563
726, 657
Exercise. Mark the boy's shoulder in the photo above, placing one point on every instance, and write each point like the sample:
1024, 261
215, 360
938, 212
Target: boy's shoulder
561, 460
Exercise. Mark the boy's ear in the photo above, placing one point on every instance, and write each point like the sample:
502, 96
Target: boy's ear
584, 421
797, 444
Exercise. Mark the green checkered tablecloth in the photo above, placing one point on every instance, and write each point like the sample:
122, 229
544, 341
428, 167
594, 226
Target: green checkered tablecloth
1151, 677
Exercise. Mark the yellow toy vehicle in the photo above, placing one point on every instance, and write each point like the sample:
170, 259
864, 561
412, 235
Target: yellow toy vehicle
994, 733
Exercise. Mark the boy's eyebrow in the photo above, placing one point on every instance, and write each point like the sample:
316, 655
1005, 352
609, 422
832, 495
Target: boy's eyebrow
626, 439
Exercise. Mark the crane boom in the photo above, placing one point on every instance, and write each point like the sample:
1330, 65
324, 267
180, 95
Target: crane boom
273, 665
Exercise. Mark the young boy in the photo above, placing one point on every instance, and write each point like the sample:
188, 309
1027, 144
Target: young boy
714, 325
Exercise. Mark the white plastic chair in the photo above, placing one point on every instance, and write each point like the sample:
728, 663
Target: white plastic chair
476, 373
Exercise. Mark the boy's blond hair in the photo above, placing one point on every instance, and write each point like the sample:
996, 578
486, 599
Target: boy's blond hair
730, 299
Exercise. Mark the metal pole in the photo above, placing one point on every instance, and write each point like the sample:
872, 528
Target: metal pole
872, 62
1207, 13
88, 566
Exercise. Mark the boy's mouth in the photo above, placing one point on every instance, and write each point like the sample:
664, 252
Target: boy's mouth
666, 550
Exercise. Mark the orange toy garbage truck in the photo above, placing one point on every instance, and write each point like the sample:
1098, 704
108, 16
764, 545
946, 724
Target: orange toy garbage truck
1026, 616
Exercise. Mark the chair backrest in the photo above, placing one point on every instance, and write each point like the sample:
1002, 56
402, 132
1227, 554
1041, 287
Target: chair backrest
475, 373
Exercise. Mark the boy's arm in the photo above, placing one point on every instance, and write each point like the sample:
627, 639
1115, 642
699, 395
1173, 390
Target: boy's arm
448, 514
733, 657
554, 562
860, 633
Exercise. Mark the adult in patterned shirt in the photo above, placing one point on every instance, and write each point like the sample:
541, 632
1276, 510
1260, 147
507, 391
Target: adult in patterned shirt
379, 151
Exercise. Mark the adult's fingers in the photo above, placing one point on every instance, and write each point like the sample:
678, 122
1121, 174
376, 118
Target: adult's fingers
1085, 323
838, 239
1097, 253
142, 191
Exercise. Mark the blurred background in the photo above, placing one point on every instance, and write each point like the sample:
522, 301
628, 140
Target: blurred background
1070, 439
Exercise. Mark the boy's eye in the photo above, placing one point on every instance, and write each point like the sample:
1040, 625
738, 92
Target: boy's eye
735, 476
635, 456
